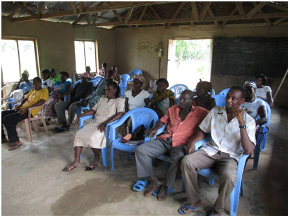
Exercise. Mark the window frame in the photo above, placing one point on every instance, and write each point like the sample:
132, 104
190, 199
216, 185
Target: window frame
17, 38
95, 50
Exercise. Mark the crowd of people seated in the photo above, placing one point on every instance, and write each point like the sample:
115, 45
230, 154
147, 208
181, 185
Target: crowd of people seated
232, 127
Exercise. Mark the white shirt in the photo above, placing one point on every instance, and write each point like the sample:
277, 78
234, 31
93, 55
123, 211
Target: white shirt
226, 137
138, 100
262, 92
252, 107
46, 83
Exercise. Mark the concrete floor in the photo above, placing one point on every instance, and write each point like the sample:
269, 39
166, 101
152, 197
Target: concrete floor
33, 182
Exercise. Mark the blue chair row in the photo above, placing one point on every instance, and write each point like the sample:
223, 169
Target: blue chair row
134, 72
123, 84
178, 89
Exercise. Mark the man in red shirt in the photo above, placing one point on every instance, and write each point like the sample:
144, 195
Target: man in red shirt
182, 124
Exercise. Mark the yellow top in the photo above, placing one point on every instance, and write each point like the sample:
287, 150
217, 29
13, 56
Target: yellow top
33, 97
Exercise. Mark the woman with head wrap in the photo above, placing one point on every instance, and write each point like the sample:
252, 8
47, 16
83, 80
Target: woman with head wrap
253, 106
99, 89
24, 83
204, 98
262, 91
163, 98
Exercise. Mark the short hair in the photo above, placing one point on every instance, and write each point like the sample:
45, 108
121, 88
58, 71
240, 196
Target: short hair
163, 80
240, 89
207, 86
87, 67
64, 73
52, 70
45, 71
191, 93
263, 77
115, 85
104, 64
37, 79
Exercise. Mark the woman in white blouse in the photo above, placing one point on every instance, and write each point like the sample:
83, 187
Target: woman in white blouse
137, 97
264, 92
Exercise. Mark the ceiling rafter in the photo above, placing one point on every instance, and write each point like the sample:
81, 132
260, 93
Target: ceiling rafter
141, 16
95, 18
256, 9
87, 19
240, 9
116, 5
176, 13
212, 15
128, 15
205, 9
81, 7
14, 11
281, 20
74, 7
227, 20
40, 9
262, 12
194, 12
79, 19
20, 5
279, 7
156, 14
117, 16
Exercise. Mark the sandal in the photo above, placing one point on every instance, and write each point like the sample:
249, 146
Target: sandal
68, 168
13, 146
90, 168
186, 208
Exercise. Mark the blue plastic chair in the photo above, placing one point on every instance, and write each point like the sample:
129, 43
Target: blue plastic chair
73, 85
135, 72
220, 100
96, 79
261, 137
123, 84
104, 151
178, 89
138, 117
224, 92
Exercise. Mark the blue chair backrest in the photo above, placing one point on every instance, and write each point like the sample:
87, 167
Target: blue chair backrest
135, 72
73, 85
96, 80
224, 92
220, 100
123, 84
178, 89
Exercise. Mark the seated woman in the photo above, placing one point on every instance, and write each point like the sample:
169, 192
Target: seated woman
53, 76
204, 99
99, 89
163, 98
264, 92
253, 106
46, 82
25, 84
109, 108
60, 89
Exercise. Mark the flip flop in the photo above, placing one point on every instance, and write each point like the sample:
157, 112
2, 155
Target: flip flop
90, 168
186, 208
140, 184
65, 169
13, 147
62, 128
169, 190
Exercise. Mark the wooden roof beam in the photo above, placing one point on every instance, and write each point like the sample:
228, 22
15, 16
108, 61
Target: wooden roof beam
262, 12
116, 5
212, 15
14, 11
117, 16
279, 7
74, 7
95, 18
81, 7
227, 20
256, 9
20, 5
280, 21
87, 19
156, 14
194, 13
78, 19
141, 16
40, 9
205, 9
176, 13
128, 15
240, 9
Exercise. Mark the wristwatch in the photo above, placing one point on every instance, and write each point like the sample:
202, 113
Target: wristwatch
244, 126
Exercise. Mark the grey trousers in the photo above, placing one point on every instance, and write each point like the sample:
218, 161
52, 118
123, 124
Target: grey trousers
226, 167
60, 108
145, 152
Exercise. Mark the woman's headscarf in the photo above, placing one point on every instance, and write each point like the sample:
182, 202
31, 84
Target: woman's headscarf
207, 86
250, 84
25, 73
140, 77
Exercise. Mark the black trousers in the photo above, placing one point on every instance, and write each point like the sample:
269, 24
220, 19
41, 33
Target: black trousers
10, 119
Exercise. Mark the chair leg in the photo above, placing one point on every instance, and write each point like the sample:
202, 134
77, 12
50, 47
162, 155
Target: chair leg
264, 142
256, 155
35, 127
128, 155
211, 181
242, 188
44, 125
111, 157
183, 184
234, 199
27, 128
104, 156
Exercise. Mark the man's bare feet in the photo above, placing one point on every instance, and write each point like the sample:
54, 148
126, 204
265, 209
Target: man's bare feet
71, 167
155, 184
15, 145
163, 193
187, 208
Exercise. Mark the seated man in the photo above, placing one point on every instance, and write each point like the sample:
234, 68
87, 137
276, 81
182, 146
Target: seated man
182, 124
253, 106
81, 91
232, 134
10, 118
25, 84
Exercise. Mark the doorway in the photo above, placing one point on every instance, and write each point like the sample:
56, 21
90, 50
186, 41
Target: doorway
189, 61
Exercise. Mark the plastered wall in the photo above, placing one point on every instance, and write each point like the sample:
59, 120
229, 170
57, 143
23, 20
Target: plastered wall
56, 42
138, 49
